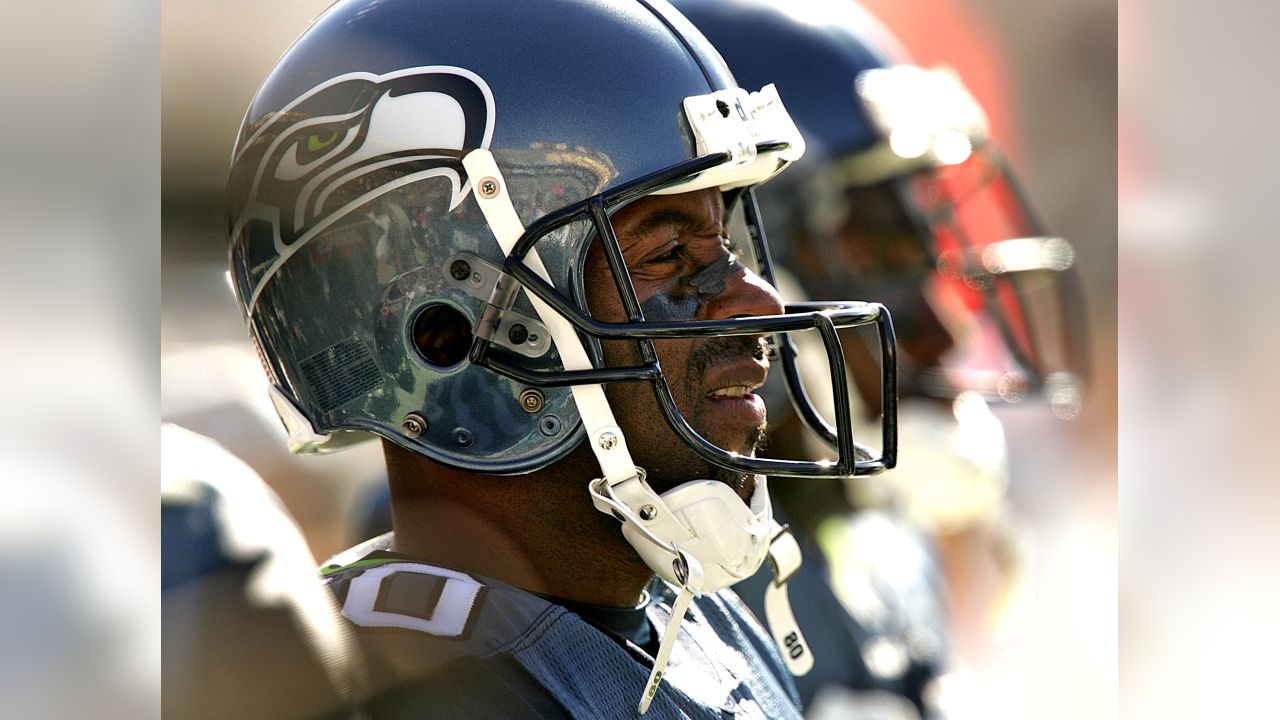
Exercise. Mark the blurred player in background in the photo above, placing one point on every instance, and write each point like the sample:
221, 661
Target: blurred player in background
903, 198
500, 241
249, 631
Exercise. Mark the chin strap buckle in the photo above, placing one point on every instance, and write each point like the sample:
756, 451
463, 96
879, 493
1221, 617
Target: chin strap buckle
784, 560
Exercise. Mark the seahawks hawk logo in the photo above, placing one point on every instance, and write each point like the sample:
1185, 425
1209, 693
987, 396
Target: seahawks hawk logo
327, 153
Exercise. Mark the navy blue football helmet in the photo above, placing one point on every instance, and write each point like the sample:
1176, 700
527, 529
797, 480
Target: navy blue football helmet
903, 198
371, 271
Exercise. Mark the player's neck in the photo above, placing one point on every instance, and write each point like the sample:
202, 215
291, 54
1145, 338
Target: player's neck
538, 531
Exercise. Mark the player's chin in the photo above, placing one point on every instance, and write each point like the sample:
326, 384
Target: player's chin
746, 442
743, 484
746, 445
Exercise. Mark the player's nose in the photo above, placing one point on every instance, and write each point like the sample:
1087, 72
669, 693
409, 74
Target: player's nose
745, 293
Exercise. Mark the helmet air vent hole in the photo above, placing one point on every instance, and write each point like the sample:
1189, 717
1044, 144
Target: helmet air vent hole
723, 107
442, 335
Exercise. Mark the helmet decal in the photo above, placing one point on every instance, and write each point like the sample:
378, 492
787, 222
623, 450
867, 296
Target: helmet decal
344, 143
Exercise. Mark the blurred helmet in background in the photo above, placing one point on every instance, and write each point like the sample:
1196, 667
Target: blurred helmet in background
903, 198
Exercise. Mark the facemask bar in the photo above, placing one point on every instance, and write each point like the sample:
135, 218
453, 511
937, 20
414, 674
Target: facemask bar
823, 317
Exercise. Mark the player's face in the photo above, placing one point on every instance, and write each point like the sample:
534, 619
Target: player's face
883, 258
886, 256
678, 253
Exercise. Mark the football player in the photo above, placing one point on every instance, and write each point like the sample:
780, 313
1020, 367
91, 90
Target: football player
497, 235
237, 580
901, 198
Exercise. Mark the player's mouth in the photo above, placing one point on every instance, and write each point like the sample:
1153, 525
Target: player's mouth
732, 394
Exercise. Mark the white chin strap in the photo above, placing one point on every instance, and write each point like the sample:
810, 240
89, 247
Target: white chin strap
699, 536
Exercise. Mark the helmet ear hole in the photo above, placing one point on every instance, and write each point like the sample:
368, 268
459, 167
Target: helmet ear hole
442, 335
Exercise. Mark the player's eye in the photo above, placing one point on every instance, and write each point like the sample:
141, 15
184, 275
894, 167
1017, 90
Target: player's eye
674, 254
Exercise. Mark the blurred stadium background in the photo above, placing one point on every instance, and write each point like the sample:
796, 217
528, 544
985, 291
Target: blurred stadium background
1047, 73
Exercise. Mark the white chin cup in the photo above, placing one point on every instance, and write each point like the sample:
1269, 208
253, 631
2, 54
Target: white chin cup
718, 535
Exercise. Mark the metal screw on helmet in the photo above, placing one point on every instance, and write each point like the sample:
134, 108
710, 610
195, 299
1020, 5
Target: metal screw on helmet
460, 270
488, 188
463, 437
531, 400
550, 425
476, 278
413, 425
608, 441
518, 334
648, 512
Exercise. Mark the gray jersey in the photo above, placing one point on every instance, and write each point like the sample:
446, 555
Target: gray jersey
446, 644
